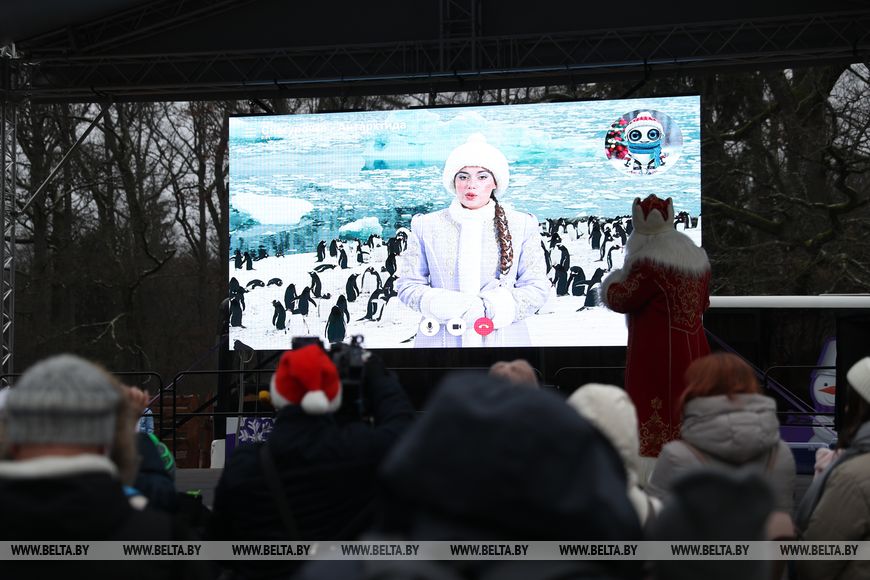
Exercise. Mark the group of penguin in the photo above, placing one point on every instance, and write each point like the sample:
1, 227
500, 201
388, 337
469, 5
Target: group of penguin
301, 302
603, 234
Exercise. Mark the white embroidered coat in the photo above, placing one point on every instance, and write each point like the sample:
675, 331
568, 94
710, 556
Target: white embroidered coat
432, 260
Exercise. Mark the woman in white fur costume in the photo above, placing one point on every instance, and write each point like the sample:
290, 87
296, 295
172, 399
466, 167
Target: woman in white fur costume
477, 260
663, 288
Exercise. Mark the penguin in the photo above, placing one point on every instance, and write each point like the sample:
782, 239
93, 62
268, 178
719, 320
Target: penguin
342, 259
373, 305
316, 285
555, 239
235, 312
302, 301
402, 235
608, 237
289, 296
595, 236
279, 317
324, 267
342, 303
360, 255
371, 241
389, 287
574, 223
620, 231
335, 326
546, 256
591, 299
629, 226
577, 281
561, 280
394, 246
237, 259
255, 283
321, 251
275, 282
390, 264
596, 278
234, 286
333, 248
565, 261
351, 288
610, 257
249, 261
374, 273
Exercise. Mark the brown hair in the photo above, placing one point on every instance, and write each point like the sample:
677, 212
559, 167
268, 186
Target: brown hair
505, 243
720, 373
518, 371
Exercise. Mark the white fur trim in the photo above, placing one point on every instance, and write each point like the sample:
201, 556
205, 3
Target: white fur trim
316, 403
670, 248
277, 400
57, 466
654, 223
502, 307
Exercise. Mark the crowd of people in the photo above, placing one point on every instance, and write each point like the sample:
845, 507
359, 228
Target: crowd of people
492, 456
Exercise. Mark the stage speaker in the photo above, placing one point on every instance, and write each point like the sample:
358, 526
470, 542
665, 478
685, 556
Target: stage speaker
853, 344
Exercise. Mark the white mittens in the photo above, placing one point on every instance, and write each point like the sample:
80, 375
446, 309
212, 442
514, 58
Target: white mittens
443, 305
500, 306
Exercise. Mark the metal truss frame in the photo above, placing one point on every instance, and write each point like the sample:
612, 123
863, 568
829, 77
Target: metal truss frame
466, 61
8, 176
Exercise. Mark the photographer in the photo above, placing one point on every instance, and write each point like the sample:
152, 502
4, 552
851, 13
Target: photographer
315, 477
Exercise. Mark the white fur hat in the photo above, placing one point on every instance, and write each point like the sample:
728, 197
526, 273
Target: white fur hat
476, 152
653, 215
859, 377
610, 409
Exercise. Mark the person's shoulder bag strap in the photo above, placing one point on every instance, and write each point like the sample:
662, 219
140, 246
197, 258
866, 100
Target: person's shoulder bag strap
273, 480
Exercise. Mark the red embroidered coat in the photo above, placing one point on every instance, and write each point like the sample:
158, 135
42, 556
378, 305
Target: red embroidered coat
665, 334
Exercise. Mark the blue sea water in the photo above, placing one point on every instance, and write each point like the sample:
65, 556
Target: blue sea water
387, 164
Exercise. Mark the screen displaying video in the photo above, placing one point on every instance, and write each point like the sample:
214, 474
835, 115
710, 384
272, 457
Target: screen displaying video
382, 224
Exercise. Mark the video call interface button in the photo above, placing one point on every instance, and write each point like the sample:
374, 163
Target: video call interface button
429, 326
483, 326
456, 326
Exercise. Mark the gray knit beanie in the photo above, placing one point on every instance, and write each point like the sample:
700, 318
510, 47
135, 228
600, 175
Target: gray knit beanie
62, 399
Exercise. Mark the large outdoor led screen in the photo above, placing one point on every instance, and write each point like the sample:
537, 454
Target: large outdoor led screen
321, 206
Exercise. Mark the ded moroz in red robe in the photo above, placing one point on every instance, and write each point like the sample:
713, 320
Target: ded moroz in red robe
663, 288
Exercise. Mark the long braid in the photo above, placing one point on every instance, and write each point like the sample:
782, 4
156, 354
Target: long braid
505, 243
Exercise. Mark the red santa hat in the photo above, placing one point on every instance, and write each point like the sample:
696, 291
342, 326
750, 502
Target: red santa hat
652, 215
644, 120
306, 377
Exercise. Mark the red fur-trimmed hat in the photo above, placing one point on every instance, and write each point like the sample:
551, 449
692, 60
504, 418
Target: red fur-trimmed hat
652, 215
306, 377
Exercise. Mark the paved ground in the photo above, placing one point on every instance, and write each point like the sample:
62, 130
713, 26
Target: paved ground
206, 480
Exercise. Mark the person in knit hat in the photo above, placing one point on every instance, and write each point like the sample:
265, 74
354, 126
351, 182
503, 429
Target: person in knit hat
610, 409
663, 288
474, 270
835, 506
326, 463
64, 420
